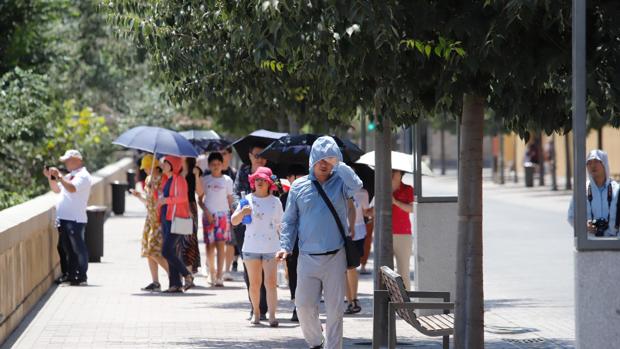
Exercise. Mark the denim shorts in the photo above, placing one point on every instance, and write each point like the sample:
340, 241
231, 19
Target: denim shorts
259, 256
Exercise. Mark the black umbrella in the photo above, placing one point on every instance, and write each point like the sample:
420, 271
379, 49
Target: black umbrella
296, 150
261, 138
211, 145
367, 175
200, 138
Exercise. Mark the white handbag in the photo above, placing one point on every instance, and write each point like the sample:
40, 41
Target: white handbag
181, 226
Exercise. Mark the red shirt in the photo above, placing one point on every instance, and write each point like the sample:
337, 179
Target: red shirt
401, 224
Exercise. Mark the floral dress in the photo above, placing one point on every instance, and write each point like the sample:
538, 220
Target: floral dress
152, 238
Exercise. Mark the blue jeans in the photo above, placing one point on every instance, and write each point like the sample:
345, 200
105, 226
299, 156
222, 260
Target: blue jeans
176, 268
71, 236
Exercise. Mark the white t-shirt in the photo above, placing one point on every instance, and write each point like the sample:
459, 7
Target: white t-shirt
262, 235
217, 190
360, 199
72, 206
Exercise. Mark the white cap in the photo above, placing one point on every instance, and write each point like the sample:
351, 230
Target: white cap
71, 153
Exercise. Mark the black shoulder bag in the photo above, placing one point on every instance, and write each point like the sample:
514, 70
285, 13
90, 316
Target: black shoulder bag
353, 257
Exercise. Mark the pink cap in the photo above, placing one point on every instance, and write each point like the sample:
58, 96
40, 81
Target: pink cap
263, 173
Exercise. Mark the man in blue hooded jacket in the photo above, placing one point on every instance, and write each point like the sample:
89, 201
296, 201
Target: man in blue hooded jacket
602, 195
322, 259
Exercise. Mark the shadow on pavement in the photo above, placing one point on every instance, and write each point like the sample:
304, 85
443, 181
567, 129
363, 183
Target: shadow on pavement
286, 342
509, 303
160, 294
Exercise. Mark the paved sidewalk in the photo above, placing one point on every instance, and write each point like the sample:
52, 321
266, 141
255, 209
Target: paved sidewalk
112, 312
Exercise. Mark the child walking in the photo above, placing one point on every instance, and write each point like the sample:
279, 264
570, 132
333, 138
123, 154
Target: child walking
217, 189
262, 241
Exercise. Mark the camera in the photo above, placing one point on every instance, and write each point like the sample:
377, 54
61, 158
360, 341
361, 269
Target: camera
601, 226
48, 168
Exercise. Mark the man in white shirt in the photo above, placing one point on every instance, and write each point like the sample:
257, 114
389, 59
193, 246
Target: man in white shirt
74, 188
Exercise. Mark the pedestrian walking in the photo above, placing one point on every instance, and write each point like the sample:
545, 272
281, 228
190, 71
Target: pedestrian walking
71, 218
322, 260
359, 237
217, 190
232, 252
175, 206
242, 187
261, 241
602, 195
189, 244
152, 238
402, 238
294, 172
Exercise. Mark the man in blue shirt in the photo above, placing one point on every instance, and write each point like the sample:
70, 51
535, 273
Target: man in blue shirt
602, 193
322, 259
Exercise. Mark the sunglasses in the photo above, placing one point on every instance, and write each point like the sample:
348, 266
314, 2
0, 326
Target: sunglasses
256, 156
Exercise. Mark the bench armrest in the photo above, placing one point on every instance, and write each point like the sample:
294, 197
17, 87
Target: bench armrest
423, 305
430, 294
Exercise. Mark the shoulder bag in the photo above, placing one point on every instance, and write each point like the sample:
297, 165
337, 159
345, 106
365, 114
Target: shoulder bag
353, 256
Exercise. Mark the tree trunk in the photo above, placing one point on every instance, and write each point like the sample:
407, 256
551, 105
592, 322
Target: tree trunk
442, 134
383, 222
541, 161
552, 164
383, 200
281, 124
500, 159
567, 146
514, 161
363, 131
469, 313
293, 125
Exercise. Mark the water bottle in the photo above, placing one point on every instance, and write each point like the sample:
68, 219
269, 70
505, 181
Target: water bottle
242, 203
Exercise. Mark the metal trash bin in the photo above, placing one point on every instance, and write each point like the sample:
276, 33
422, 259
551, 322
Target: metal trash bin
529, 174
94, 232
131, 179
118, 197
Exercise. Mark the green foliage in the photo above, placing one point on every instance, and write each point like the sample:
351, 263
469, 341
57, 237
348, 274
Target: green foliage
25, 106
66, 81
317, 61
42, 130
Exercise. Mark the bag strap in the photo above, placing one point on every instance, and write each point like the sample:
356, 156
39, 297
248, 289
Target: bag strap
174, 208
329, 204
617, 211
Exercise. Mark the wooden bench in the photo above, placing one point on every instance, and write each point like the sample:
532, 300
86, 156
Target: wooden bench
441, 325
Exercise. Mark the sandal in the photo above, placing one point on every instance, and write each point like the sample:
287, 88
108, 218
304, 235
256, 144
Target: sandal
174, 289
349, 309
273, 323
356, 306
189, 282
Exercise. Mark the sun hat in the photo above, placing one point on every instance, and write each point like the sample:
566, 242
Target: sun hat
263, 173
148, 161
71, 153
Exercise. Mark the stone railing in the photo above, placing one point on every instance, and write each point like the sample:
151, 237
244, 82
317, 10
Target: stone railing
28, 237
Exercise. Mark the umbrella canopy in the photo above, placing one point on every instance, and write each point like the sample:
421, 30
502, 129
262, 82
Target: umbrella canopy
200, 134
156, 140
261, 138
400, 161
203, 140
367, 175
211, 145
296, 150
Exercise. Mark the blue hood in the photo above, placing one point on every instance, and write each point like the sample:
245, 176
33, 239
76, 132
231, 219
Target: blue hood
323, 147
600, 155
